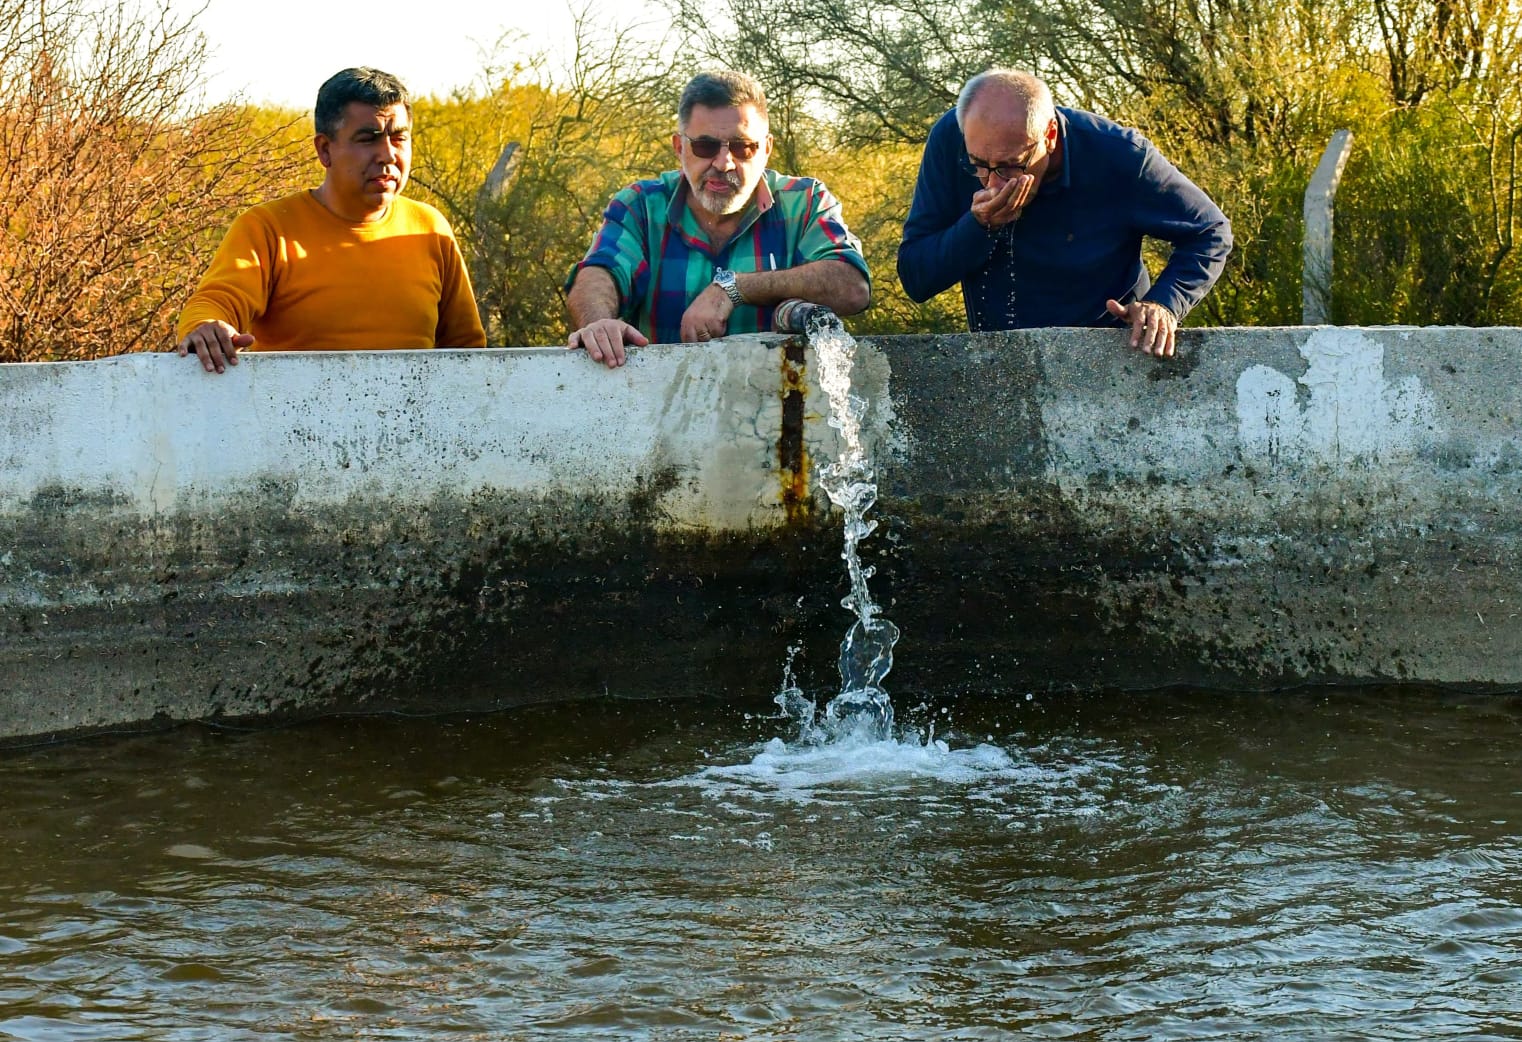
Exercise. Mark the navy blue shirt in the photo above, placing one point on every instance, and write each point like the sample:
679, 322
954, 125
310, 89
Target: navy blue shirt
1076, 245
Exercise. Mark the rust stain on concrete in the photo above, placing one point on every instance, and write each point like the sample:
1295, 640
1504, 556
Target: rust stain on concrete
792, 457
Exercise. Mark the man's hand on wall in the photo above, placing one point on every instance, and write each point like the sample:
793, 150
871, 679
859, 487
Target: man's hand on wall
604, 340
1153, 326
215, 343
707, 317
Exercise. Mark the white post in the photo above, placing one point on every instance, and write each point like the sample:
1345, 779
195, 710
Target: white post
1316, 275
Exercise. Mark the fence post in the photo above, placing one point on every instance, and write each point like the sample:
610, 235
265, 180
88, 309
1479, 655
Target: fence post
489, 230
1316, 273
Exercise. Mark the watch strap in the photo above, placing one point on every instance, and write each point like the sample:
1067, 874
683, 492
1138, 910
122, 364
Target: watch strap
726, 281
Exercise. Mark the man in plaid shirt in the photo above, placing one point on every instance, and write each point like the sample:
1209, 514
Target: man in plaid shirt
713, 247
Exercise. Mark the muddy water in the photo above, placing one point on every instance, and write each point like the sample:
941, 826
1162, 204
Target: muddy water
1172, 866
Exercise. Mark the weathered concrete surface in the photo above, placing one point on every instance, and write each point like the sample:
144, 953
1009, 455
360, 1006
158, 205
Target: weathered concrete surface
1275, 507
433, 530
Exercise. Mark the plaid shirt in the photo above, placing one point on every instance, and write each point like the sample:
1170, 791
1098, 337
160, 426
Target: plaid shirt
660, 258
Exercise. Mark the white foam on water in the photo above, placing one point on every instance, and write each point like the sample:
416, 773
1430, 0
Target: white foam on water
794, 767
850, 768
902, 784
849, 753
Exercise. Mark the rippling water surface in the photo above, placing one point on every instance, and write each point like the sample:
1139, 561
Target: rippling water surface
1340, 865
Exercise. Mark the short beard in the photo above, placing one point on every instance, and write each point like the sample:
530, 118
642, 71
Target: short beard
723, 205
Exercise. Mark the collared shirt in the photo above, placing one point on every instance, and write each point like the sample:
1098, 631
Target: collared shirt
1076, 245
661, 259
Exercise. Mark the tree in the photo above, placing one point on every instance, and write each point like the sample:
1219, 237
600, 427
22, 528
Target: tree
881, 71
115, 178
1242, 94
574, 144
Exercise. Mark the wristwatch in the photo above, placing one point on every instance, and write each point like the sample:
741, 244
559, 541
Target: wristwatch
725, 279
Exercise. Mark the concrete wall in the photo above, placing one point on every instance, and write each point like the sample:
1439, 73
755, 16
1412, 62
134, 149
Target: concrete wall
434, 530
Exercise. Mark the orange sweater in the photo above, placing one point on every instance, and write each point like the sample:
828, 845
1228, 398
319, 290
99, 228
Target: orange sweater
301, 279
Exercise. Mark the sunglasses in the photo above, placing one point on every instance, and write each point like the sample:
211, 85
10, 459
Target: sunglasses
708, 147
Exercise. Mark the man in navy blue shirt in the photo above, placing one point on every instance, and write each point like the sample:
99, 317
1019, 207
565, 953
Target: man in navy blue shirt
1039, 212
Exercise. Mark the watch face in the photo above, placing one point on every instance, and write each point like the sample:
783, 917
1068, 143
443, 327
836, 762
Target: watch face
726, 280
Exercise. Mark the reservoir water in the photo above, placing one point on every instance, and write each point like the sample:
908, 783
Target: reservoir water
1176, 865
1328, 864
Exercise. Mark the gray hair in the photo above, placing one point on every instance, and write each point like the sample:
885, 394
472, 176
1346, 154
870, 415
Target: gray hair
720, 90
1022, 87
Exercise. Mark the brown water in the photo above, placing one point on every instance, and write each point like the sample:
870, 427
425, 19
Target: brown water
1342, 865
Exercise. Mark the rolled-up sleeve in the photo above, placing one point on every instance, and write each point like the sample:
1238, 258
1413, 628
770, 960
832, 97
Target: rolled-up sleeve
825, 235
622, 248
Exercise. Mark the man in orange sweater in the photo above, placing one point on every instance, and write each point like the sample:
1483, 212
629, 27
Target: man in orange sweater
348, 265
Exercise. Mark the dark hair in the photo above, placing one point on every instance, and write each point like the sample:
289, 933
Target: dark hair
720, 90
363, 84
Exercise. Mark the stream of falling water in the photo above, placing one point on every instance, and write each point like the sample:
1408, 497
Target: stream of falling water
862, 711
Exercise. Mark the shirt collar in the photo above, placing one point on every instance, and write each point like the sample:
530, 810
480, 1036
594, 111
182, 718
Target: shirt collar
1065, 177
761, 200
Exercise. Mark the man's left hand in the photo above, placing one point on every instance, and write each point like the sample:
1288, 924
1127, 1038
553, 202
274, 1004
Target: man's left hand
707, 317
1153, 327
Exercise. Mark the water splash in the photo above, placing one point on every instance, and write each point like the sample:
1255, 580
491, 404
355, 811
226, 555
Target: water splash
862, 710
829, 773
795, 704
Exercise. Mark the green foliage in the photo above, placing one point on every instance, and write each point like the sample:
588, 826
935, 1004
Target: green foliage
1261, 284
116, 183
574, 147
1416, 244
874, 187
1242, 94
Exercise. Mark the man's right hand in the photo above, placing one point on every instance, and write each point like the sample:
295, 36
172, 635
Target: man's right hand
996, 207
215, 343
604, 340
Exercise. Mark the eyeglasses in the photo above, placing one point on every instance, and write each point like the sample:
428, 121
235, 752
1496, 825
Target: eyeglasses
1006, 171
708, 147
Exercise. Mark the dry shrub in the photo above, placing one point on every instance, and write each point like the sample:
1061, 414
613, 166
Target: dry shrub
116, 179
